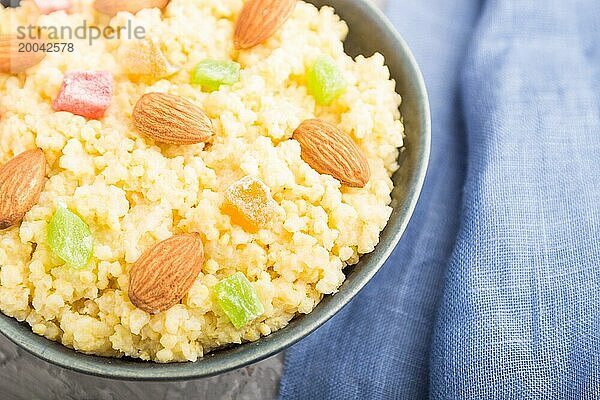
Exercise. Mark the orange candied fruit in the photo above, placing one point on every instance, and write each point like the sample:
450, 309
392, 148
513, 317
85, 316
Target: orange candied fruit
144, 58
249, 204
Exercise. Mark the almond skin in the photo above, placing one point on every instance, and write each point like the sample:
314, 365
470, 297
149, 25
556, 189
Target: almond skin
164, 274
112, 7
330, 151
11, 60
170, 119
259, 20
21, 182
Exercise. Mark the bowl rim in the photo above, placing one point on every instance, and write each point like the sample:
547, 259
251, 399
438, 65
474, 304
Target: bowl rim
299, 328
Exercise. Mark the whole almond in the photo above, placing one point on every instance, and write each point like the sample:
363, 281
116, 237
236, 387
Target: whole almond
170, 119
112, 7
14, 58
21, 182
330, 151
259, 20
164, 274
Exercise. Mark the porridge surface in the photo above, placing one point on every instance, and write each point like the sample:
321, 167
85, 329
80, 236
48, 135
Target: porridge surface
133, 192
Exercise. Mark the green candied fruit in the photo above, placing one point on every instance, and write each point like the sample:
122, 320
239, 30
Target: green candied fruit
211, 74
325, 81
238, 299
70, 238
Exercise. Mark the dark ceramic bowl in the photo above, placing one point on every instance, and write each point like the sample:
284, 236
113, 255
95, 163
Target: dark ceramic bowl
370, 32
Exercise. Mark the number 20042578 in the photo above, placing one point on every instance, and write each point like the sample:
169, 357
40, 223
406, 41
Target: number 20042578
29, 47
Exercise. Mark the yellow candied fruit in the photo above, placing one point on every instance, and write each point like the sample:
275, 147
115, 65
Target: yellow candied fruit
249, 204
144, 58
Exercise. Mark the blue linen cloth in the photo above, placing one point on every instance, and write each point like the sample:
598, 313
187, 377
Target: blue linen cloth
494, 292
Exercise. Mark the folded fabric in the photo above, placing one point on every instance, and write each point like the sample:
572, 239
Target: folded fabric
378, 346
520, 314
520, 318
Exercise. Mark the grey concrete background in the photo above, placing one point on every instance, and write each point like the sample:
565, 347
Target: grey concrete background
25, 377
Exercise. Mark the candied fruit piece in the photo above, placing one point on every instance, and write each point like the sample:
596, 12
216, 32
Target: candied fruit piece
325, 80
85, 93
70, 238
238, 299
50, 6
249, 204
144, 57
211, 74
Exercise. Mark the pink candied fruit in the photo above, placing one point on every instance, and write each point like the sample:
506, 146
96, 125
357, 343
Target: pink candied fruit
85, 93
49, 6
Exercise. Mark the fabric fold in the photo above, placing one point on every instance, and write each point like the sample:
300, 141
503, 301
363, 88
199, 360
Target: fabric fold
520, 316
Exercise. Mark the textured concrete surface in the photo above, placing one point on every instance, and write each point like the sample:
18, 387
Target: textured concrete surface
25, 377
